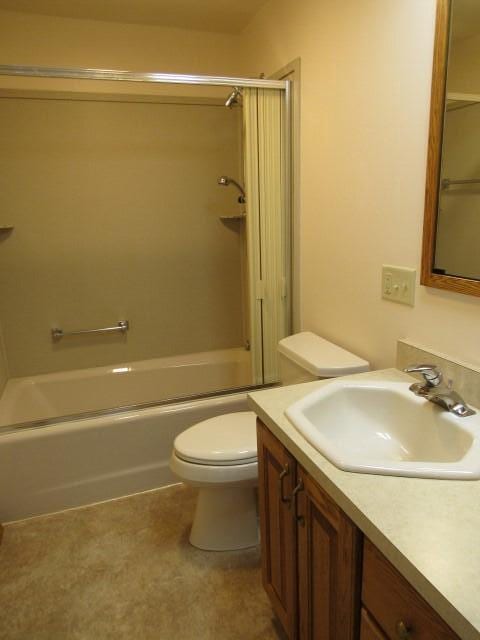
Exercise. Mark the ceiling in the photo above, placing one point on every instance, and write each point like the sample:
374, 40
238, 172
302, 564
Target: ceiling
223, 16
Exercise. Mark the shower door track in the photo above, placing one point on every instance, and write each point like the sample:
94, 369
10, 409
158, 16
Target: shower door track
46, 422
138, 76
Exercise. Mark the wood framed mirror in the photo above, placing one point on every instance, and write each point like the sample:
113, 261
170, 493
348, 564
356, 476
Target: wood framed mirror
451, 233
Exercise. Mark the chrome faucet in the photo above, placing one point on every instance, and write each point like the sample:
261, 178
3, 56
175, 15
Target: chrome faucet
435, 390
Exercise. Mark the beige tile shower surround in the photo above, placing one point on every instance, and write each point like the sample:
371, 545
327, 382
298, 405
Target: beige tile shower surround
125, 569
120, 221
3, 364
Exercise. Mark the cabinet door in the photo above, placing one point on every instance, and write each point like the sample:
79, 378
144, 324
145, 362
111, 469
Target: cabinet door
329, 547
369, 630
395, 604
276, 469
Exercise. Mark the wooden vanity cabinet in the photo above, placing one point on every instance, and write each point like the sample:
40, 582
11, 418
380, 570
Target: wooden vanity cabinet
324, 580
276, 469
369, 629
328, 547
392, 604
310, 549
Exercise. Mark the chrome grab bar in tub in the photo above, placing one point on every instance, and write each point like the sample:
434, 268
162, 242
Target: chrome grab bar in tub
121, 326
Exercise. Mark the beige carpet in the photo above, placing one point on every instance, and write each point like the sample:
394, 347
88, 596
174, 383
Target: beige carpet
125, 569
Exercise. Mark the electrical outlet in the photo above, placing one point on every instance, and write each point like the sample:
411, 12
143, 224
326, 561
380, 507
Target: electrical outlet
398, 284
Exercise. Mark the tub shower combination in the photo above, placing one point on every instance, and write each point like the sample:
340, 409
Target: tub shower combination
93, 453
86, 435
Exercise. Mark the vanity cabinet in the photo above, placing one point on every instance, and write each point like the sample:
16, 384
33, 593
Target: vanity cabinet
325, 580
310, 549
328, 552
276, 468
369, 630
394, 605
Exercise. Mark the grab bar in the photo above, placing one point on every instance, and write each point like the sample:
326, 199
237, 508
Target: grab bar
446, 182
121, 326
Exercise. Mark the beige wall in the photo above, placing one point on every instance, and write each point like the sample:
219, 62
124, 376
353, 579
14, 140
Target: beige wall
116, 213
463, 75
47, 41
29, 39
3, 364
366, 72
458, 229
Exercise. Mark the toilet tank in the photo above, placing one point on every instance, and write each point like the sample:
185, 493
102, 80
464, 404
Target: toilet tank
305, 356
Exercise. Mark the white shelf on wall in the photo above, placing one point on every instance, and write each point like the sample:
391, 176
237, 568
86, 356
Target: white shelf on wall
461, 100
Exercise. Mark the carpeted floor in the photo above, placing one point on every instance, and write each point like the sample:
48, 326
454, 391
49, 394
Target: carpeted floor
125, 569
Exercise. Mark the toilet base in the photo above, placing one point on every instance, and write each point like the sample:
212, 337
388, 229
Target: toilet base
225, 519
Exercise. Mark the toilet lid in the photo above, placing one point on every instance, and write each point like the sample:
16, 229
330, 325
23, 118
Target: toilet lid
228, 439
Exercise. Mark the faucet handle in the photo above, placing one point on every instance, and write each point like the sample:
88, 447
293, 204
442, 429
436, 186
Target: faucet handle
431, 373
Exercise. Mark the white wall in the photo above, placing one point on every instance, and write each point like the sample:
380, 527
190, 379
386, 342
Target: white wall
366, 73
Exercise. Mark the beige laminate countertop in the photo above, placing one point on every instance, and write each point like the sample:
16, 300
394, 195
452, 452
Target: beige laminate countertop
428, 529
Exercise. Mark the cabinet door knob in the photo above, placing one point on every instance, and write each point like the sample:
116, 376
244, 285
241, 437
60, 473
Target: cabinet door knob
404, 631
283, 474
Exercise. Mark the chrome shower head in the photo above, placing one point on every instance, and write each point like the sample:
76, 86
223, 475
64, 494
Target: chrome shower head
224, 181
233, 98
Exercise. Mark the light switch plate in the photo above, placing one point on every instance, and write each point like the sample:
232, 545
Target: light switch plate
398, 284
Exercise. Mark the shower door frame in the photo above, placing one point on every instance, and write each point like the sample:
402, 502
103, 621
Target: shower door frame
110, 75
138, 76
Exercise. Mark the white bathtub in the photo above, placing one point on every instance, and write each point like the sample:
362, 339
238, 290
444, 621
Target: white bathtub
83, 390
76, 462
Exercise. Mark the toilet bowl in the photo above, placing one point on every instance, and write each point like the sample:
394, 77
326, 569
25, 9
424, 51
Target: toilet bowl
219, 455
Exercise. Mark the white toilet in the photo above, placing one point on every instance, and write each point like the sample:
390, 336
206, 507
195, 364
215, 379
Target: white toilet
219, 455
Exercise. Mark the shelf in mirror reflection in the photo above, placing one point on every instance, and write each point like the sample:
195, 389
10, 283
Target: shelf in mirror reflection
461, 100
238, 216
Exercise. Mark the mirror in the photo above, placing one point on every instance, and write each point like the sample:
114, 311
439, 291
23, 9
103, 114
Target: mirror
451, 257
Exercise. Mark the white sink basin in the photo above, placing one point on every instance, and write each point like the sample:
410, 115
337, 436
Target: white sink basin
383, 428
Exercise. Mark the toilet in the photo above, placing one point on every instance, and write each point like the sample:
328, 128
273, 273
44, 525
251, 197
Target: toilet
219, 455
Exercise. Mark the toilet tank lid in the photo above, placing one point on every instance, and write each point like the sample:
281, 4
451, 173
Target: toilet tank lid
320, 357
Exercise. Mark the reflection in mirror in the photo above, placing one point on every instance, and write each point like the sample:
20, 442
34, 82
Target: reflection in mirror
458, 221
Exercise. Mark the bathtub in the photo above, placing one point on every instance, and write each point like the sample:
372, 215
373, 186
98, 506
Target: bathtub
70, 462
72, 393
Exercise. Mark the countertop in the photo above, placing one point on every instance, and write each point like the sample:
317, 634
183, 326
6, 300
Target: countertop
428, 529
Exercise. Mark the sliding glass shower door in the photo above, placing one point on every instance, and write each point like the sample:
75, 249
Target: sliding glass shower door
147, 259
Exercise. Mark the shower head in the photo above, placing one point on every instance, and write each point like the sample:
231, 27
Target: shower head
234, 98
224, 181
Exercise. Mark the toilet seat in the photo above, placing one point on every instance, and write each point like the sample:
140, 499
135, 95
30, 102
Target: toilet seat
225, 440
214, 476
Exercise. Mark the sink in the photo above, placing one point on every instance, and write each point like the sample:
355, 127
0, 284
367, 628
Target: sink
383, 428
